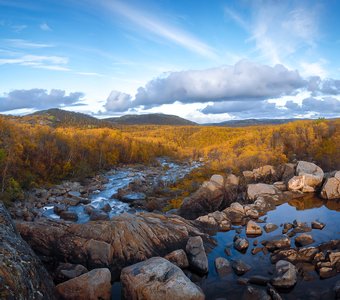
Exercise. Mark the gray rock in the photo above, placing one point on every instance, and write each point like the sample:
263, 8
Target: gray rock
157, 278
240, 267
223, 266
69, 216
252, 293
331, 187
241, 244
260, 189
197, 257
285, 275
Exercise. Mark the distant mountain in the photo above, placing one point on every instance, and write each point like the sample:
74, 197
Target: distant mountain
253, 122
57, 117
150, 119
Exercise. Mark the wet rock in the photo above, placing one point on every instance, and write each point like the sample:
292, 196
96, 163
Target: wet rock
178, 258
273, 293
71, 201
133, 238
157, 278
309, 177
66, 271
318, 225
69, 216
131, 197
277, 242
270, 227
59, 208
256, 250
22, 275
106, 208
259, 280
252, 293
253, 228
331, 187
241, 244
223, 266
93, 285
74, 194
285, 275
98, 215
197, 257
89, 209
240, 267
260, 189
304, 240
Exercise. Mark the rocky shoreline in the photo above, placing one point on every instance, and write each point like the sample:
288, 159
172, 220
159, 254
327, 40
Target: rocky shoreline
155, 255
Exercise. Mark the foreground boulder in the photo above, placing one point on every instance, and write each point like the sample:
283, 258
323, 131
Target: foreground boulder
331, 188
308, 177
22, 275
93, 285
122, 241
213, 195
157, 278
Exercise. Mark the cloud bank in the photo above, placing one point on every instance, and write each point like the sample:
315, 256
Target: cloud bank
37, 99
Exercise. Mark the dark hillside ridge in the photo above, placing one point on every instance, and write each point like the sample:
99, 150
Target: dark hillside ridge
252, 122
150, 119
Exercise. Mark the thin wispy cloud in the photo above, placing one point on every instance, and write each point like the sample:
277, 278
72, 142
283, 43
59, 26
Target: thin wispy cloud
163, 30
18, 28
89, 74
25, 44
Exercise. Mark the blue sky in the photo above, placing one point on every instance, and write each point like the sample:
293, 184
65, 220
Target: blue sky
207, 61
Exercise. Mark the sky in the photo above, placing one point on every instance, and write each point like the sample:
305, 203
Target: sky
207, 61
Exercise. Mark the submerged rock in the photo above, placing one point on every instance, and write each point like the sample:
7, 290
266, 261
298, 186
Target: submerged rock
197, 257
22, 275
240, 267
223, 266
285, 275
157, 278
93, 285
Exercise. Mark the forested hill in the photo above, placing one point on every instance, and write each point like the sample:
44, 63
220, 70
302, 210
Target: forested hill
150, 119
253, 122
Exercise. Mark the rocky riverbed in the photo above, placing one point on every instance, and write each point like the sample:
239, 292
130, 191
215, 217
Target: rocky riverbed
271, 233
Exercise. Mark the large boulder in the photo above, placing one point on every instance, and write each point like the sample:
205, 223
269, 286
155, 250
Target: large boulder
331, 188
22, 275
212, 196
308, 177
122, 241
260, 189
157, 278
93, 285
197, 257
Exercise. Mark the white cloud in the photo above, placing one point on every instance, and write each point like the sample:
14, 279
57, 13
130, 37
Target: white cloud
45, 27
118, 102
314, 68
37, 99
24, 44
89, 74
161, 29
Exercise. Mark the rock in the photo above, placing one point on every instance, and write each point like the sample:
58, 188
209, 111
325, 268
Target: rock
216, 220
66, 271
294, 256
157, 278
133, 238
223, 266
273, 293
106, 208
255, 294
93, 285
277, 242
131, 197
235, 213
318, 225
231, 179
178, 258
309, 177
287, 227
288, 172
197, 257
260, 189
331, 187
98, 215
259, 280
240, 267
22, 275
327, 272
270, 227
256, 250
89, 209
71, 201
253, 228
241, 244
69, 216
304, 240
75, 194
280, 185
334, 258
59, 208
218, 179
285, 275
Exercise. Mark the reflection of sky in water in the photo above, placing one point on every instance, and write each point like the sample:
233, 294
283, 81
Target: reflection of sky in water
120, 179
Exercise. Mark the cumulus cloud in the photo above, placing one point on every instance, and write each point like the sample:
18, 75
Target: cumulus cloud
38, 99
118, 102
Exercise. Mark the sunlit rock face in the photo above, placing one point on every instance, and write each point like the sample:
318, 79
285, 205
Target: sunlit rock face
331, 187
